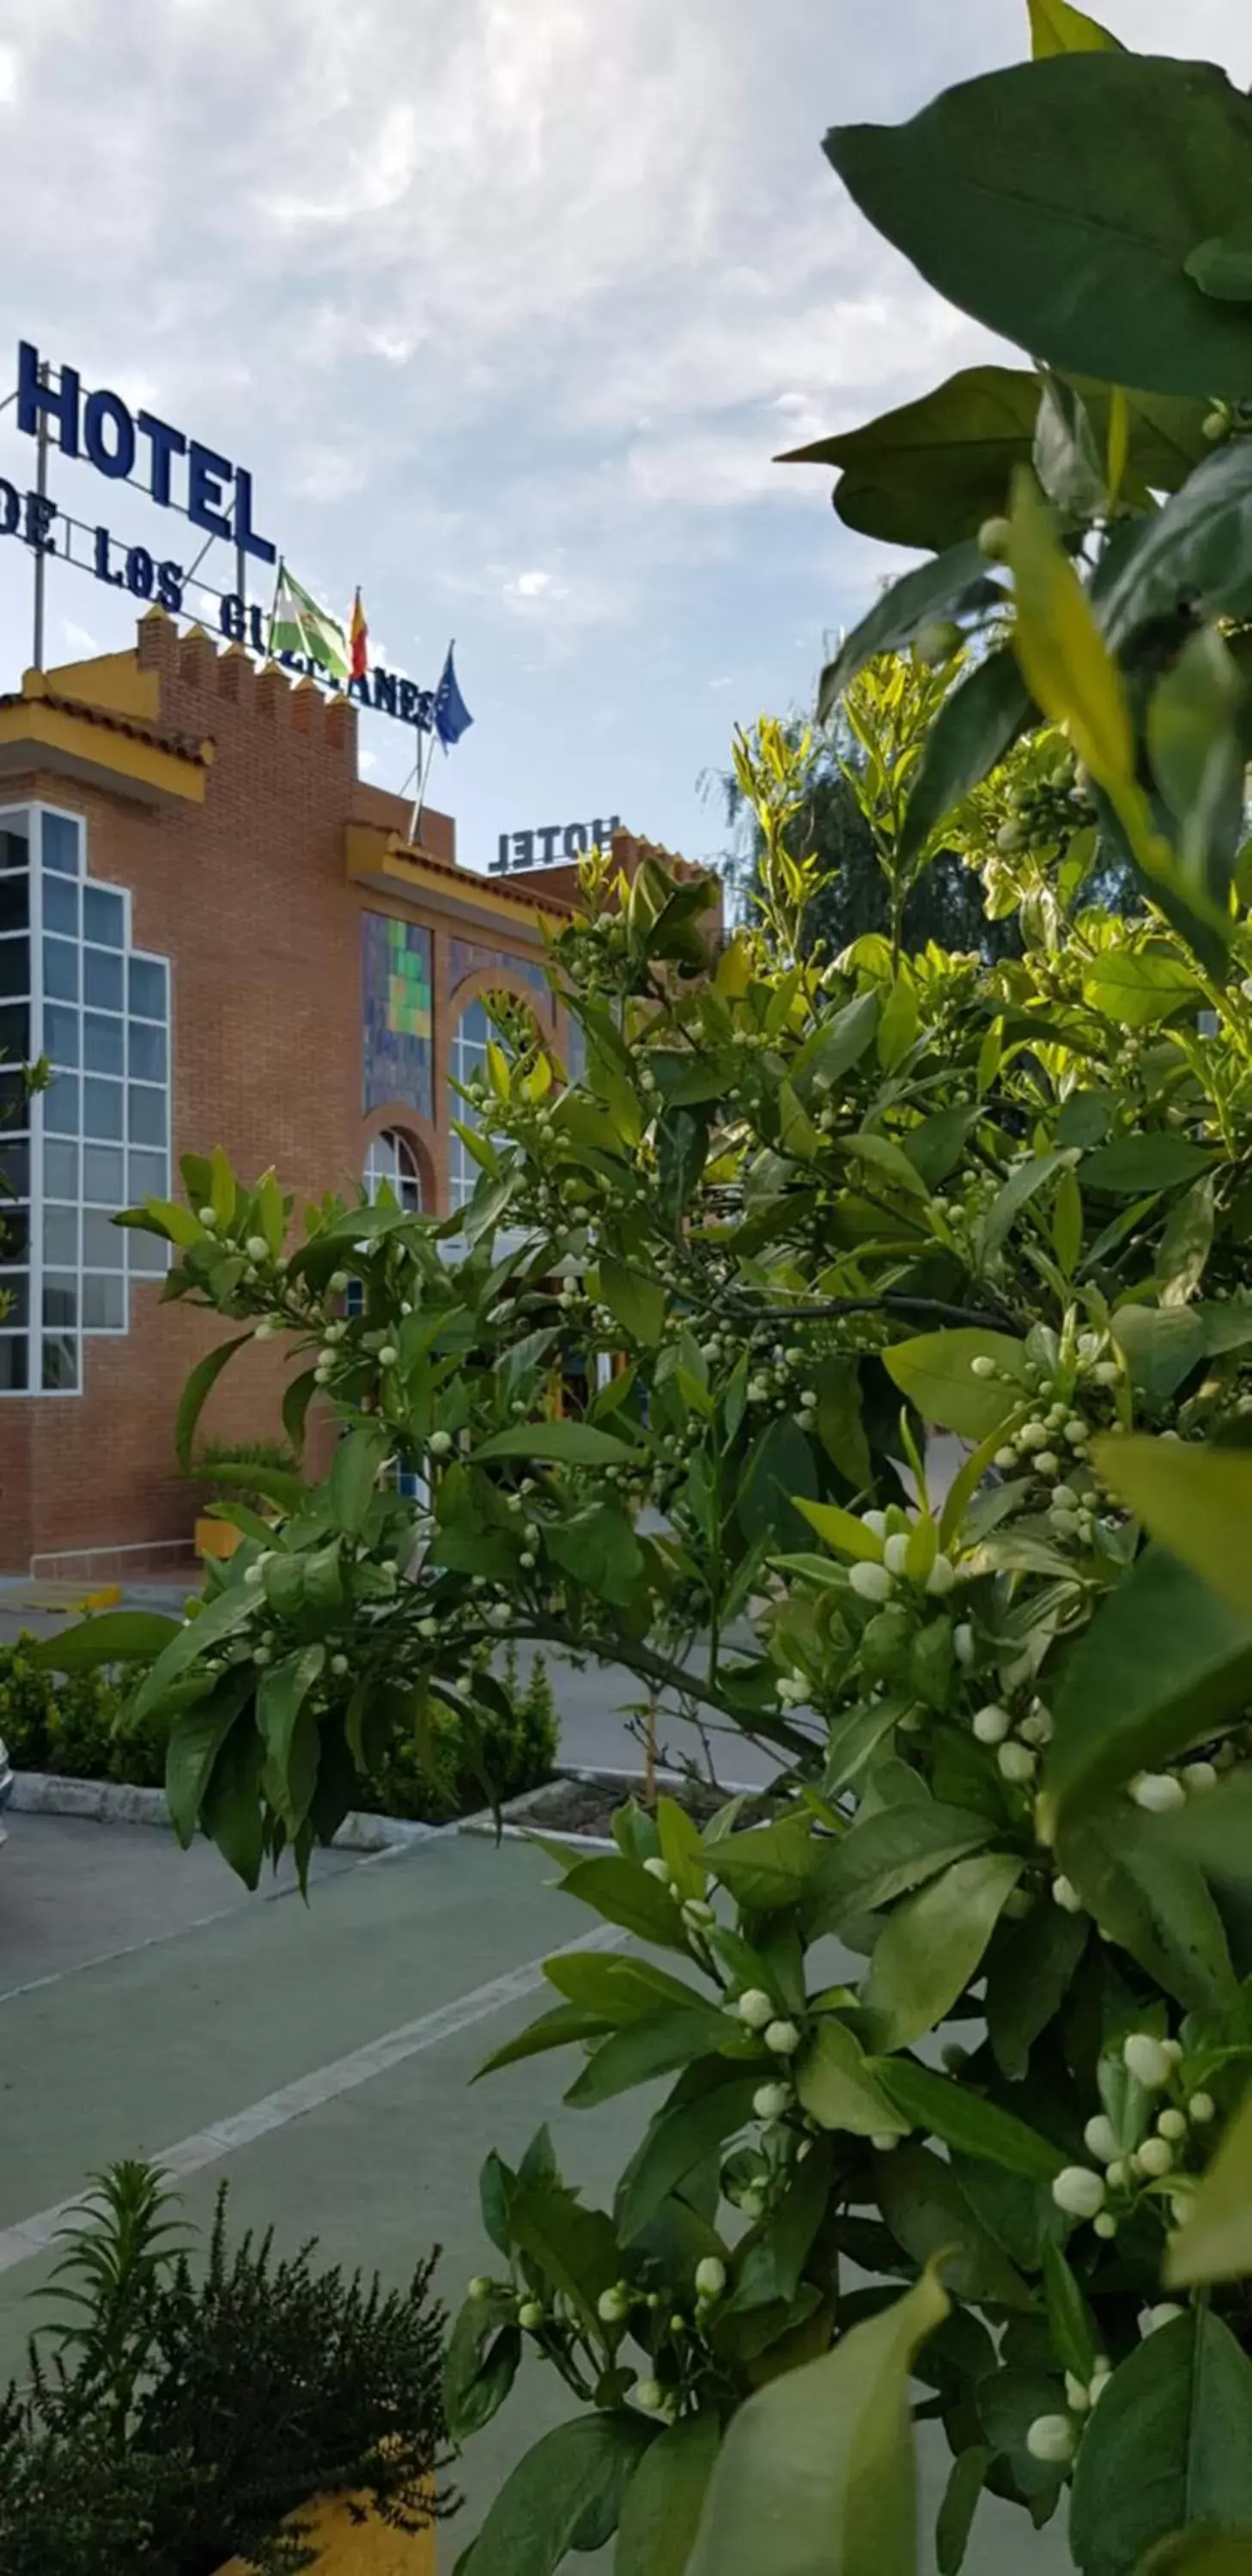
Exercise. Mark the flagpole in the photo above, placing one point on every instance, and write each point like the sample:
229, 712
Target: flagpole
423, 777
269, 632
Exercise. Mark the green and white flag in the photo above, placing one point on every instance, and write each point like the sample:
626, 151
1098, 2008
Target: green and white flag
298, 625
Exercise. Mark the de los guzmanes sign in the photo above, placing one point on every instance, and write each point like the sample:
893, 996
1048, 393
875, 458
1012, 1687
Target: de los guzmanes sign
213, 493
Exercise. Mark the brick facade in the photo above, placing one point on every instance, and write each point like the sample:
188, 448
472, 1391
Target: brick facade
253, 890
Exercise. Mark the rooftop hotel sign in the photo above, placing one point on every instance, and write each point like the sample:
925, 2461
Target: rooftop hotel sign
204, 487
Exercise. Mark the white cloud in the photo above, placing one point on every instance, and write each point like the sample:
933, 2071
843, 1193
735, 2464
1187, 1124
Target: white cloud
78, 638
10, 75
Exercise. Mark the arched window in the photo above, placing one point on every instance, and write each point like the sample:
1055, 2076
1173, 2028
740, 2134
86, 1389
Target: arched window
391, 1158
469, 1057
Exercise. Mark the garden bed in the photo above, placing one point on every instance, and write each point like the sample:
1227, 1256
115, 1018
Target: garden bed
577, 1806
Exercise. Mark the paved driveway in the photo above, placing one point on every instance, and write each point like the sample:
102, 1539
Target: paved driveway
317, 2057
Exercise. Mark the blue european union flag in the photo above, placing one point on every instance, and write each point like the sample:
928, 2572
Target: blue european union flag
452, 716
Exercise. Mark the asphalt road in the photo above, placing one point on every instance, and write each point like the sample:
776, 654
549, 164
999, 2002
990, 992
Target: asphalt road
317, 2058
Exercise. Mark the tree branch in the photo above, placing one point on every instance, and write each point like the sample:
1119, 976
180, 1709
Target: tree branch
937, 1308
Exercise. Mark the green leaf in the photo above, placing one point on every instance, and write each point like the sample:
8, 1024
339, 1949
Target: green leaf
884, 1156
840, 1042
842, 1530
935, 1147
276, 1484
619, 1990
964, 2120
1069, 2319
931, 1945
1169, 2445
1058, 28
780, 1467
1186, 1243
678, 2141
819, 2464
839, 2090
576, 2249
637, 1301
290, 1732
230, 1810
1161, 1346
573, 2481
195, 1740
665, 2498
974, 729
956, 580
928, 2214
1215, 2243
682, 1138
1021, 1186
935, 1372
626, 1894
230, 1611
565, 2027
887, 1854
1227, 2553
599, 1549
1163, 1663
567, 1444
1134, 1164
196, 1393
1067, 1224
297, 1397
961, 2496
107, 1637
1028, 1980
1196, 551
353, 1478
648, 2048
930, 472
897, 1027
767, 1867
1197, 1502
1150, 1898
1067, 664
1090, 242
1139, 988
1067, 456
484, 2350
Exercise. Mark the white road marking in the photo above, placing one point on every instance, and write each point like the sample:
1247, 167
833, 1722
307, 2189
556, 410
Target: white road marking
30, 2236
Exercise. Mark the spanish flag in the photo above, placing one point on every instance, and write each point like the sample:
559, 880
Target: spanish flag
359, 640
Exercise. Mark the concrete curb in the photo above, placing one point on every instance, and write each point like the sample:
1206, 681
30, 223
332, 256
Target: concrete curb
112, 1802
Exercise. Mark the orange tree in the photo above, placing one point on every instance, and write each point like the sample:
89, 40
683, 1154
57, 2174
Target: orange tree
792, 1213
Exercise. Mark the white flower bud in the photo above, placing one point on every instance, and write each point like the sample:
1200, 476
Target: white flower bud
941, 1577
808, 1397
659, 1869
613, 2306
1051, 2438
992, 1724
339, 1665
1066, 1524
337, 1283
885, 2141
1164, 2315
1199, 1777
208, 1218
771, 2101
1065, 1498
963, 1644
1173, 2051
1076, 1432
1006, 1460
1047, 1463
649, 2394
1099, 2382
257, 1248
1078, 2394
710, 2277
254, 1574
1147, 2060
1118, 2175
388, 1355
752, 2201
1065, 1894
875, 1522
440, 1443
262, 1655
870, 1582
755, 2008
895, 1550
1157, 1792
499, 1615
1017, 1764
1100, 2138
480, 2287
1106, 1372
1172, 2124
982, 1366
1105, 2225
1033, 1435
428, 1627
1037, 1728
530, 2315
1079, 2191
782, 2037
1155, 2158
1201, 2108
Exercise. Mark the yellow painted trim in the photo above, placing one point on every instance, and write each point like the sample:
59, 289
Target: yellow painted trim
348, 2548
147, 764
371, 853
112, 680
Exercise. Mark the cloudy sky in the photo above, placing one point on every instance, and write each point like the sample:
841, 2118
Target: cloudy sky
507, 306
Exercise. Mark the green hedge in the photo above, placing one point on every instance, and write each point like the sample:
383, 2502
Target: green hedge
80, 1728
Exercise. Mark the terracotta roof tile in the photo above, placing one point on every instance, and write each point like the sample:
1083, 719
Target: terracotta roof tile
186, 746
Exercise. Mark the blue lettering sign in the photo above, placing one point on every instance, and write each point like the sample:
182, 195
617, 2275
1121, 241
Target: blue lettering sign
164, 443
207, 475
10, 509
105, 410
385, 692
106, 428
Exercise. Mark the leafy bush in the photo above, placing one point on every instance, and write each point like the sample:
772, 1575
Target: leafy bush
801, 1209
274, 1456
85, 1728
184, 2415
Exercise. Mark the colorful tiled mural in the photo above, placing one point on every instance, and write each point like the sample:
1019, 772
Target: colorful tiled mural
466, 958
396, 1022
